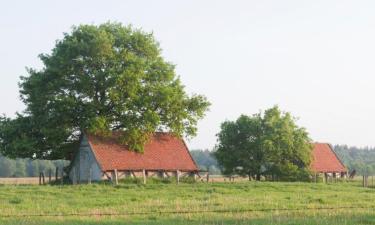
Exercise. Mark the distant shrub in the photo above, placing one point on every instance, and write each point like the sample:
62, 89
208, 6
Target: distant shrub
290, 172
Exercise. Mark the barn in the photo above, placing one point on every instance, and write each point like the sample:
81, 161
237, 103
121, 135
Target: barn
99, 158
326, 162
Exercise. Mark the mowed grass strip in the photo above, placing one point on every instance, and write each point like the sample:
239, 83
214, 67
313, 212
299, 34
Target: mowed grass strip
199, 203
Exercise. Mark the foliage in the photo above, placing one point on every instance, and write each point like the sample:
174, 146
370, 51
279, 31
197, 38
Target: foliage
28, 167
206, 160
231, 203
7, 167
99, 79
355, 158
264, 144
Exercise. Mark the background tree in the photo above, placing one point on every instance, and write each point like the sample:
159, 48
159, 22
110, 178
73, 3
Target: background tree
32, 168
268, 144
361, 159
286, 146
206, 160
20, 168
28, 167
99, 79
7, 167
239, 149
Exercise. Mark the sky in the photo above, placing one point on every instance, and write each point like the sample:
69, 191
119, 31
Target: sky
315, 59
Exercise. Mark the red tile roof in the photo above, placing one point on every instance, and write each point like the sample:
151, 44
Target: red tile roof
162, 152
325, 159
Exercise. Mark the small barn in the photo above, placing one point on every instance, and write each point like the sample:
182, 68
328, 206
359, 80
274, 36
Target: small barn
325, 161
100, 158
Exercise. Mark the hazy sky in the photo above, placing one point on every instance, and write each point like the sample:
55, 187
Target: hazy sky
315, 59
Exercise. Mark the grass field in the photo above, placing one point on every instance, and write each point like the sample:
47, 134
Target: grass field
199, 203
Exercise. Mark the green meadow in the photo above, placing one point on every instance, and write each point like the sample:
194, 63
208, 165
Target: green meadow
196, 203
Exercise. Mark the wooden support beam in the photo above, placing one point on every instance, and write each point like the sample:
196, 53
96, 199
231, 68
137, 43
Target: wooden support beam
144, 176
106, 174
324, 177
116, 177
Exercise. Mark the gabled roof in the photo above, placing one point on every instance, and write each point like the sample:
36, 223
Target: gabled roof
325, 159
163, 151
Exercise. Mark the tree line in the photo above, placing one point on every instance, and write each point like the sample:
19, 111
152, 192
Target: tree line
28, 167
205, 159
361, 159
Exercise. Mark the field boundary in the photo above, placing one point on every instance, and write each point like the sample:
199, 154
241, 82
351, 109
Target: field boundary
181, 212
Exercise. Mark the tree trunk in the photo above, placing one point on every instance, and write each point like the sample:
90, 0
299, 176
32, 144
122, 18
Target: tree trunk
258, 177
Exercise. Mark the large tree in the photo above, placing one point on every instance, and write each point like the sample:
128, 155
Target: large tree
265, 144
99, 79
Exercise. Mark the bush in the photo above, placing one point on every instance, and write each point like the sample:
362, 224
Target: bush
290, 172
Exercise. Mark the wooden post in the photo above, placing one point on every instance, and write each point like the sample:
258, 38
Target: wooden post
325, 178
144, 176
74, 177
363, 181
62, 176
49, 176
40, 178
116, 177
178, 176
56, 173
44, 181
89, 178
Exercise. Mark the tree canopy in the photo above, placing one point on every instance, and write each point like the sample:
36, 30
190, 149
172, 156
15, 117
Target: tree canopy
99, 79
269, 144
361, 159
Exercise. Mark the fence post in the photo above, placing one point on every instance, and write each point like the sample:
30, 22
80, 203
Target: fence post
363, 181
44, 181
49, 176
56, 173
